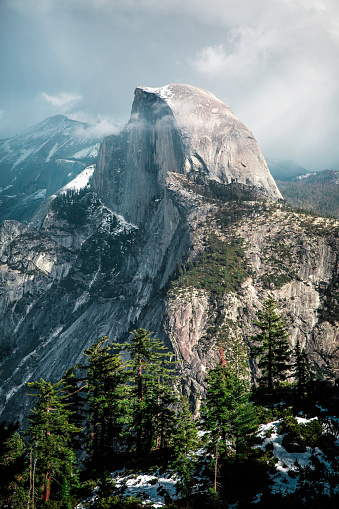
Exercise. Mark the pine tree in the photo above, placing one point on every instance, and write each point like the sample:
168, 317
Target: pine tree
234, 352
301, 370
184, 441
13, 467
272, 346
227, 412
51, 457
75, 392
151, 376
107, 400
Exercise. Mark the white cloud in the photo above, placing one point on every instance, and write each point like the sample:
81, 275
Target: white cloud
63, 101
99, 127
249, 49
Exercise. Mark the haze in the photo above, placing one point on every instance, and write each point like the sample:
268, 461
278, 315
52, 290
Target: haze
274, 62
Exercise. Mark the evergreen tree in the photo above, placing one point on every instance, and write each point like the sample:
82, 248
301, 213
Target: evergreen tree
234, 352
151, 375
227, 412
272, 346
75, 392
301, 370
107, 400
13, 467
184, 441
52, 460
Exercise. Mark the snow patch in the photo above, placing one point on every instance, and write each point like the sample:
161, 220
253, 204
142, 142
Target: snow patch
91, 151
51, 152
152, 488
23, 156
164, 92
80, 181
288, 462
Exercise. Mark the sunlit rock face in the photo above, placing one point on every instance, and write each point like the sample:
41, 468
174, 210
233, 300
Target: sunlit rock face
180, 129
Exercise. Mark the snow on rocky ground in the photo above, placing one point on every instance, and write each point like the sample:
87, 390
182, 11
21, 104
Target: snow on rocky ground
150, 488
286, 478
154, 488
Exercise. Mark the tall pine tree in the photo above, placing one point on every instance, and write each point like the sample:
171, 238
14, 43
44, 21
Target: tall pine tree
184, 441
52, 460
107, 400
302, 370
271, 346
227, 411
152, 377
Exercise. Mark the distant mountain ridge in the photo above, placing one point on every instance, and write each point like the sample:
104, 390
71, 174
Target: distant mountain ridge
285, 169
40, 160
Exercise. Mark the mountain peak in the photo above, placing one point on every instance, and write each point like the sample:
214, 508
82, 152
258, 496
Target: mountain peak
215, 140
176, 93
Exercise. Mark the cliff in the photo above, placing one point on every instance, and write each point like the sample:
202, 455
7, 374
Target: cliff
181, 231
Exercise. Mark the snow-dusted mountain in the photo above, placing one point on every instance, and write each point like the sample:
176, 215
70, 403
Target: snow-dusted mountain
39, 161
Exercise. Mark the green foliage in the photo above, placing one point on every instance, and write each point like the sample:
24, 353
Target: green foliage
107, 400
13, 467
271, 346
52, 460
227, 412
184, 441
151, 375
74, 206
297, 437
221, 269
301, 370
318, 197
215, 191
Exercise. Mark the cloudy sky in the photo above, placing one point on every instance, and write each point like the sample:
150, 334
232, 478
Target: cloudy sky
274, 62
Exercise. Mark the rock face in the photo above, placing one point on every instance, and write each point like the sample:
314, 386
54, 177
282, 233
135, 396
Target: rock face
39, 161
180, 129
167, 236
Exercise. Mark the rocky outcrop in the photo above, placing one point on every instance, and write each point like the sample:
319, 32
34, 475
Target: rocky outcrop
168, 236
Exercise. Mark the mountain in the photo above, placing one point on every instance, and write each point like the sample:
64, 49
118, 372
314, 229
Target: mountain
179, 229
37, 162
285, 169
315, 191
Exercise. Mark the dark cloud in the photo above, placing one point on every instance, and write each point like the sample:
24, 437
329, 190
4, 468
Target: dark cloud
274, 62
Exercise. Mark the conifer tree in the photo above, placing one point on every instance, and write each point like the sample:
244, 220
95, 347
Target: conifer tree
75, 392
107, 399
151, 375
227, 412
184, 441
271, 346
13, 467
301, 370
52, 460
234, 352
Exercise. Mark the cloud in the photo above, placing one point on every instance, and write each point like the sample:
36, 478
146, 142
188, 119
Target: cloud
97, 128
63, 101
249, 49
